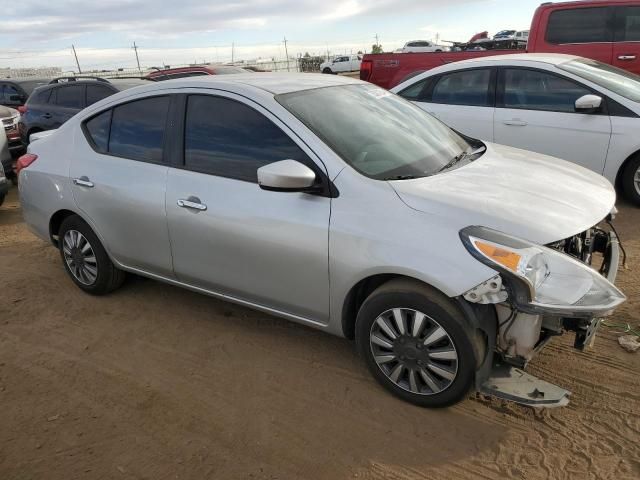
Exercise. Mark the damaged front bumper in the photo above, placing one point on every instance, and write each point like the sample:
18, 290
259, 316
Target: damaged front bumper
510, 346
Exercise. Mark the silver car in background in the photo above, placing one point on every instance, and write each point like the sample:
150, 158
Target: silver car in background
336, 204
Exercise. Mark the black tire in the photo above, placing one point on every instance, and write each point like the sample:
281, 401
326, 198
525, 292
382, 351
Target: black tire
327, 70
408, 294
108, 277
1, 199
630, 189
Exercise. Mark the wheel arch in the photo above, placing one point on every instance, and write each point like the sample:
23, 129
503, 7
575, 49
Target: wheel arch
622, 167
55, 222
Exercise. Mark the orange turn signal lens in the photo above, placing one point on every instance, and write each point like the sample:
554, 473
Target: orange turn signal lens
506, 258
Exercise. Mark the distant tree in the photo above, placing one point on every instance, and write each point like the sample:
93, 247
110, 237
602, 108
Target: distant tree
306, 55
359, 52
376, 48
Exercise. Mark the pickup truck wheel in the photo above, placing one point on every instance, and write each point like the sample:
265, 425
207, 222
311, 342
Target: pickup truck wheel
327, 70
415, 344
631, 180
85, 259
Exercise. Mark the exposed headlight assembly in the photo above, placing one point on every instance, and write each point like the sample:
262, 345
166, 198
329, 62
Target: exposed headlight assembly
540, 279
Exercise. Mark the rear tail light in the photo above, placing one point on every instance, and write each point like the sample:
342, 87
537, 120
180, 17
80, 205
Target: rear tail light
24, 161
366, 66
22, 109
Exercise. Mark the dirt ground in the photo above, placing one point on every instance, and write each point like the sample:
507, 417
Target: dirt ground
155, 382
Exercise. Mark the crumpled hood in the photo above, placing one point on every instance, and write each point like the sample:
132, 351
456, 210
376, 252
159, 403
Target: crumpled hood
532, 196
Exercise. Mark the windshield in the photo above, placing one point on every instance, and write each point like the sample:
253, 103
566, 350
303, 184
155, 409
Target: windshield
612, 78
376, 132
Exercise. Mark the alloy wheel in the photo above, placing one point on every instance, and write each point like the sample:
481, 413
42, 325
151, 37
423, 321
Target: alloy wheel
636, 180
80, 257
414, 351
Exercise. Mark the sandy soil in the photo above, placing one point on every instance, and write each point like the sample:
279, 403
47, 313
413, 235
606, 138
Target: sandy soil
155, 382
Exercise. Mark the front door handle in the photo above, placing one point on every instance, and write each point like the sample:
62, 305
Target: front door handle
46, 115
515, 123
83, 182
193, 203
626, 58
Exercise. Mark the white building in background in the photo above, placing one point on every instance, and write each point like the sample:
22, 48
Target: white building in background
30, 72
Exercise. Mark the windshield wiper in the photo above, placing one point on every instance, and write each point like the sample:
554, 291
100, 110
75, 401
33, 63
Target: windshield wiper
461, 156
401, 177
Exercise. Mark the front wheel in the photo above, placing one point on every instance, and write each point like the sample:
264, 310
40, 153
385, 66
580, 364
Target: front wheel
327, 70
631, 180
85, 259
415, 344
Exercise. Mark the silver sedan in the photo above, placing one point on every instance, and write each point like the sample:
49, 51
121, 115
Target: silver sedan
334, 203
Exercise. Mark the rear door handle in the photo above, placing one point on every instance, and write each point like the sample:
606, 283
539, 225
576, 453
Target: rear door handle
192, 203
515, 123
626, 57
83, 182
46, 115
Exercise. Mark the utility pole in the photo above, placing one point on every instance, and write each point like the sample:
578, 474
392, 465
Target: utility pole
286, 52
135, 48
232, 47
76, 55
377, 41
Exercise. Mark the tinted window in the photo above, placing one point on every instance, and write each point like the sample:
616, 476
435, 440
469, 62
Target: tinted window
41, 96
579, 25
535, 90
628, 24
96, 93
414, 92
7, 91
98, 130
137, 129
227, 138
469, 87
71, 97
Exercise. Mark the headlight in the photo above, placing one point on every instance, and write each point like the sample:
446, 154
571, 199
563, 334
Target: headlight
542, 279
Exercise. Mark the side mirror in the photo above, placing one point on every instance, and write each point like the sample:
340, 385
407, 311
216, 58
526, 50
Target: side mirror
286, 176
588, 103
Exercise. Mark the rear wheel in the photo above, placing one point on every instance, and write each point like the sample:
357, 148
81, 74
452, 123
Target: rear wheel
85, 259
631, 180
415, 344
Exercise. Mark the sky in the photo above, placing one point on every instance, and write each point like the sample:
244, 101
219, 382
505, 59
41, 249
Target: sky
37, 33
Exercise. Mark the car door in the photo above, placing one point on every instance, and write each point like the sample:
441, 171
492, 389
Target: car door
626, 49
67, 101
230, 236
535, 110
462, 99
119, 172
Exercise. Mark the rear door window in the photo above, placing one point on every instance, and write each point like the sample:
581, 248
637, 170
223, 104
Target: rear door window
137, 129
71, 96
95, 93
469, 87
580, 25
536, 90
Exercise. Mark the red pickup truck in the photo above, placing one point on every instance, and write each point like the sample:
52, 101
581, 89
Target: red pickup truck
608, 31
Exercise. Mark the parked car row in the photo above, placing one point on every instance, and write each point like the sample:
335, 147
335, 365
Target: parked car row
337, 204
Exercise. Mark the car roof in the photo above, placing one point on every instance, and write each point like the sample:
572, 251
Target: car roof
125, 83
551, 58
28, 84
275, 83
